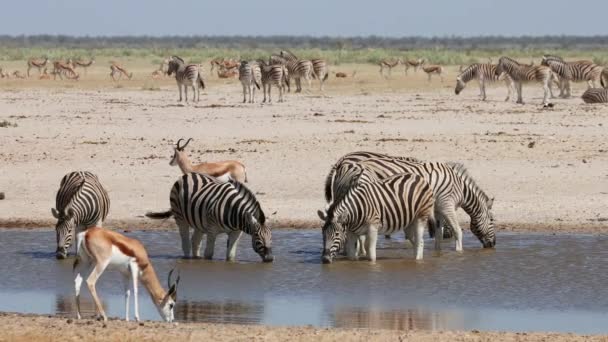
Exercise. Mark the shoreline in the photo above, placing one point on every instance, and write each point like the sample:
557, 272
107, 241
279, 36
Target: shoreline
28, 327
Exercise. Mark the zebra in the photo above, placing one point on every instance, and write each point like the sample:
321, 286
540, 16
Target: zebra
433, 69
273, 74
81, 202
521, 73
213, 207
320, 70
414, 63
388, 64
403, 201
36, 63
186, 75
483, 73
604, 78
297, 69
452, 185
577, 71
595, 95
250, 76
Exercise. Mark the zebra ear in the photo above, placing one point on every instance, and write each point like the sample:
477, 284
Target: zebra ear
322, 215
55, 213
490, 203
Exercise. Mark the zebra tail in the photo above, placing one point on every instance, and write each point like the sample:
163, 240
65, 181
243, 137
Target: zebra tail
159, 215
326, 75
202, 83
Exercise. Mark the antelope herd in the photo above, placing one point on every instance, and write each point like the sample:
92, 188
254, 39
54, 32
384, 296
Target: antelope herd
552, 70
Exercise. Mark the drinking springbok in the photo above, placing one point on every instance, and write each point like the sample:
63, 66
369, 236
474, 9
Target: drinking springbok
100, 248
223, 170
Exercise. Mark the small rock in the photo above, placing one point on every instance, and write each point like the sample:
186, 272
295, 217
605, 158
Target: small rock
584, 161
141, 324
2, 196
70, 321
104, 325
531, 144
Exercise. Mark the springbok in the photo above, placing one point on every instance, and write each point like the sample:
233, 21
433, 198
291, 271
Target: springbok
18, 74
81, 63
223, 170
45, 75
99, 248
116, 68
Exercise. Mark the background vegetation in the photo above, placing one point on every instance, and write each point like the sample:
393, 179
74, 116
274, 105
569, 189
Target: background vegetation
447, 50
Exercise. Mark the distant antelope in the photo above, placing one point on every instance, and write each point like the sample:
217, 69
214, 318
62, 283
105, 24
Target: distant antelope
341, 75
223, 170
222, 62
116, 68
99, 248
4, 74
84, 64
37, 63
414, 63
18, 74
227, 72
389, 64
156, 74
61, 68
433, 69
44, 75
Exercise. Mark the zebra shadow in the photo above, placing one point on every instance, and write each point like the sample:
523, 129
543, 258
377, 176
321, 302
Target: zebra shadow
40, 254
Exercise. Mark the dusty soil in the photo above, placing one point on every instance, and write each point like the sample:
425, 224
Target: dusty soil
546, 167
16, 327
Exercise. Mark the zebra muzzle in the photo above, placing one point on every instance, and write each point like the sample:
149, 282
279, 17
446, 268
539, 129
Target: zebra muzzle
61, 253
327, 259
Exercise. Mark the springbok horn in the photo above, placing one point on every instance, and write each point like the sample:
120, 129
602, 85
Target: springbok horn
186, 144
169, 278
180, 140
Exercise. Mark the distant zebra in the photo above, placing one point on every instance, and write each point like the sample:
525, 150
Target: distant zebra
212, 207
433, 69
453, 187
482, 73
297, 69
81, 202
273, 74
36, 63
414, 63
389, 64
577, 71
595, 95
320, 70
186, 75
401, 202
117, 69
250, 76
521, 73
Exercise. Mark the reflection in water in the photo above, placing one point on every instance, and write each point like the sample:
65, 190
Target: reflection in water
66, 305
375, 318
219, 312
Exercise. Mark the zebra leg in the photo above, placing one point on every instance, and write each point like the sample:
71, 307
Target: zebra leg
210, 245
233, 239
184, 232
269, 96
372, 239
186, 93
418, 239
452, 221
179, 87
244, 93
519, 98
361, 251
547, 90
197, 241
438, 233
264, 86
194, 94
352, 240
298, 85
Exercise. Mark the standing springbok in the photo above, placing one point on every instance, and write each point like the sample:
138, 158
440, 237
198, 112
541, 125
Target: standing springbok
100, 248
433, 69
223, 170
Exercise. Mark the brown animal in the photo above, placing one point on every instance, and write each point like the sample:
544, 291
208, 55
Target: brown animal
84, 64
226, 72
61, 68
341, 75
389, 64
156, 74
223, 170
4, 74
414, 63
116, 68
37, 63
220, 62
433, 69
44, 75
18, 74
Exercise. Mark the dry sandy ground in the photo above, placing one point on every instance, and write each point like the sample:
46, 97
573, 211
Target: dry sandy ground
41, 328
547, 168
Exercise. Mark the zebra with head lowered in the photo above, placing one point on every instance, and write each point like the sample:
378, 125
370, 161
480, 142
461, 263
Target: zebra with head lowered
186, 75
81, 202
482, 73
320, 70
521, 73
595, 95
403, 201
297, 69
452, 186
577, 71
212, 207
250, 76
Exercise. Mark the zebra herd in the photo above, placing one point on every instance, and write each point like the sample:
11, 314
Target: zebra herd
367, 194
552, 69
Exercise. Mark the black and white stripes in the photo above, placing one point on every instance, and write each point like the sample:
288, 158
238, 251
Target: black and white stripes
273, 75
521, 73
81, 202
250, 76
186, 75
595, 95
577, 71
482, 73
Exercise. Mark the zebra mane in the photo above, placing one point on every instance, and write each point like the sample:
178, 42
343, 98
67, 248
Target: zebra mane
178, 59
289, 53
243, 191
468, 73
462, 171
508, 59
328, 179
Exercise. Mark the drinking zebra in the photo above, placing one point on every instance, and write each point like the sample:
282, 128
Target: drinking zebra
482, 73
273, 74
521, 73
186, 75
577, 71
81, 202
595, 95
250, 76
320, 70
403, 201
296, 69
212, 207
